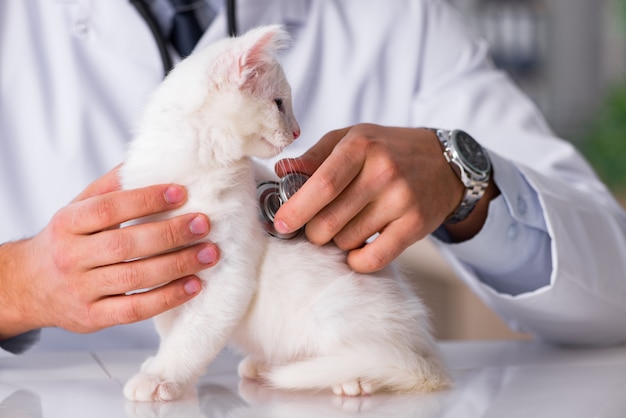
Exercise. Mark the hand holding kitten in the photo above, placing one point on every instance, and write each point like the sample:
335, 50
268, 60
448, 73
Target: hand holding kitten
77, 272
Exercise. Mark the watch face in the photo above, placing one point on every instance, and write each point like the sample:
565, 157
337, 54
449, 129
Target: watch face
470, 152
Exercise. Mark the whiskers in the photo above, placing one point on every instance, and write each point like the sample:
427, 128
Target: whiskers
291, 165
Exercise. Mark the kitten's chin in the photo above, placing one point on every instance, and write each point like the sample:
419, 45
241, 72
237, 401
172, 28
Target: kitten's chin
269, 150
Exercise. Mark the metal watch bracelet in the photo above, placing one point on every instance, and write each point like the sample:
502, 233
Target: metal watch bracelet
474, 187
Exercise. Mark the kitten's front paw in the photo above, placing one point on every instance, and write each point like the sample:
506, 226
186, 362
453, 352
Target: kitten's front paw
148, 387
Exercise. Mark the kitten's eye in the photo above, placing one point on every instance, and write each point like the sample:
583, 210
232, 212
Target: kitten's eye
279, 104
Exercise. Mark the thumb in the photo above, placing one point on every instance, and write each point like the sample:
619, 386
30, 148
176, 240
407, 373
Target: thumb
107, 183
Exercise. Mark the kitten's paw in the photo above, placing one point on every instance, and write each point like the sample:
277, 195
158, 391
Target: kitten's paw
251, 369
354, 388
148, 387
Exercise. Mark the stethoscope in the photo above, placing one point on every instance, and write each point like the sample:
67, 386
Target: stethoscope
144, 11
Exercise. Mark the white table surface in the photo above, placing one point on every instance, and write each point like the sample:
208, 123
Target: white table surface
492, 379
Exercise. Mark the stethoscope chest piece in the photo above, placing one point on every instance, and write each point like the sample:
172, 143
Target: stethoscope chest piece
272, 195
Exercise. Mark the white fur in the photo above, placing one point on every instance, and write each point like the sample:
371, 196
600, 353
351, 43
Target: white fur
316, 324
304, 319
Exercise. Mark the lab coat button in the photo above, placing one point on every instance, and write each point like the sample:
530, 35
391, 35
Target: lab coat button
512, 232
81, 27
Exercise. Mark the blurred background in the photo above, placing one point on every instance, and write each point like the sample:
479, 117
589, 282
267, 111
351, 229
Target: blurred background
569, 56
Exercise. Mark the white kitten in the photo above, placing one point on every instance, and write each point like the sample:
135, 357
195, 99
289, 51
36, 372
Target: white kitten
303, 317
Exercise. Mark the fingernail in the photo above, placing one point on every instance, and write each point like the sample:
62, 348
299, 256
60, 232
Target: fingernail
199, 225
207, 255
192, 286
281, 227
174, 194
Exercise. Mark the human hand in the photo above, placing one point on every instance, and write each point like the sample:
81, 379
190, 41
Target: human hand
74, 274
369, 179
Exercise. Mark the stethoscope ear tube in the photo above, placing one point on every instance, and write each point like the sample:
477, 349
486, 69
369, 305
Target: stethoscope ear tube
144, 11
231, 15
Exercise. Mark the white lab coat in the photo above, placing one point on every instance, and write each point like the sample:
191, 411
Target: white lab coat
75, 74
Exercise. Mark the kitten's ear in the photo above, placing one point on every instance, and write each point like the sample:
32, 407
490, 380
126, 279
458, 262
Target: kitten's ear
259, 48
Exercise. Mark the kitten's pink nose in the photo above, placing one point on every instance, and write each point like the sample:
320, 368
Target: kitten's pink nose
296, 134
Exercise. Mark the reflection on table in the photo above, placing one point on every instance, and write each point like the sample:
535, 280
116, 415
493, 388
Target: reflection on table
492, 379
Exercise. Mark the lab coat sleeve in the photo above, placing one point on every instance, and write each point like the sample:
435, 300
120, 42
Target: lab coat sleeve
20, 343
582, 302
519, 260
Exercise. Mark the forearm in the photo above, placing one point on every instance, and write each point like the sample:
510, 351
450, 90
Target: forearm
16, 317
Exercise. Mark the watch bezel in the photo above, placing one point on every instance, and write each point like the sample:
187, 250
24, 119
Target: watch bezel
458, 143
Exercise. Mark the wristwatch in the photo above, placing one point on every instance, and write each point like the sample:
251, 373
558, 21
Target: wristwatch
474, 168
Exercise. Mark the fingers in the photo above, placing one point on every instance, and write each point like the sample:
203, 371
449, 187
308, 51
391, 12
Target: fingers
385, 248
169, 275
104, 211
153, 271
335, 173
125, 309
114, 246
346, 212
389, 199
369, 221
396, 226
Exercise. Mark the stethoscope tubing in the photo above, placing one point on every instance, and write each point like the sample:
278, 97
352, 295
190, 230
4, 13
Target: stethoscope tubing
166, 60
231, 15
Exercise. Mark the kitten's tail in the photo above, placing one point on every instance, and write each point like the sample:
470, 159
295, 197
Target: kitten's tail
398, 372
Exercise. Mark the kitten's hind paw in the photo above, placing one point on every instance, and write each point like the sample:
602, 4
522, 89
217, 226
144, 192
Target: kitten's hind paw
354, 388
252, 369
148, 387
